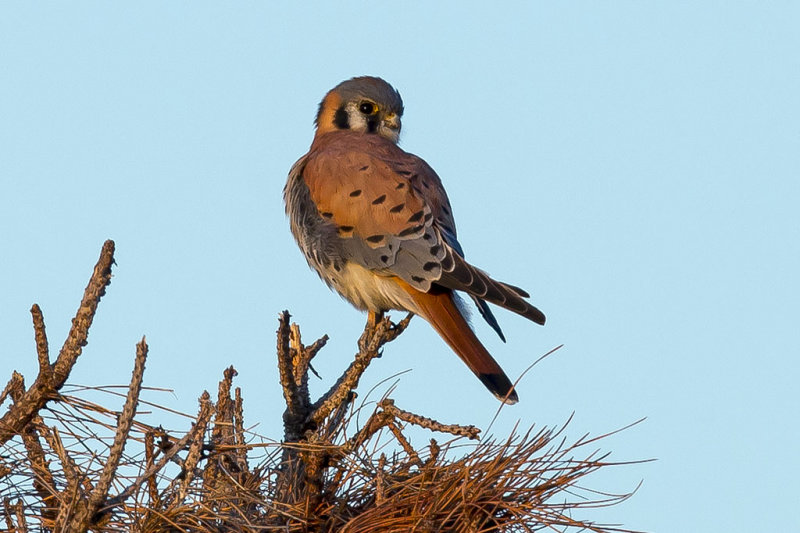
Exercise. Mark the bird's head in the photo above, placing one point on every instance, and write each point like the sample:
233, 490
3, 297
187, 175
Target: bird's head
365, 104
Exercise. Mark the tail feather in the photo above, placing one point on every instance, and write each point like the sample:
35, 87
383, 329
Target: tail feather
440, 310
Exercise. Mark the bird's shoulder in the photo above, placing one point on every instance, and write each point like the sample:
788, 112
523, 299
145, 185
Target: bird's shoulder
371, 184
364, 185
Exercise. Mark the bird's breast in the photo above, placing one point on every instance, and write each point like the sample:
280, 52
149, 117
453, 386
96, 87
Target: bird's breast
325, 252
369, 290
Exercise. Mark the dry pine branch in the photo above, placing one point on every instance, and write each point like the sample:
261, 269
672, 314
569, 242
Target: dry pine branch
326, 475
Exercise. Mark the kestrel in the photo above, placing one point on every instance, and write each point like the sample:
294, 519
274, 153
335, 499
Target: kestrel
375, 223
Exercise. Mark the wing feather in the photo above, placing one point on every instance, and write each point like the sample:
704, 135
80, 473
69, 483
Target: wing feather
393, 216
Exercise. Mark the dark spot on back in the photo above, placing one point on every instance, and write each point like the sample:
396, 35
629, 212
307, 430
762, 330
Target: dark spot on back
345, 229
417, 279
404, 172
341, 120
379, 199
409, 231
375, 238
416, 216
355, 193
400, 185
385, 258
326, 215
436, 249
428, 217
397, 208
430, 265
365, 167
427, 236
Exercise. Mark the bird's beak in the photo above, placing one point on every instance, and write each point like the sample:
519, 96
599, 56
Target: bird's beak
391, 121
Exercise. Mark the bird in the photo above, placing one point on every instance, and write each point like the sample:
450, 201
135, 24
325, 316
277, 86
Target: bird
375, 223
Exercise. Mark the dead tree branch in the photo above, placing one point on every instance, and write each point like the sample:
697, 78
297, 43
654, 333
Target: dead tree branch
52, 377
57, 468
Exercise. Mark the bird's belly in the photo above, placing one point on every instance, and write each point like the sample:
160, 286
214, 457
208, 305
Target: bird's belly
369, 291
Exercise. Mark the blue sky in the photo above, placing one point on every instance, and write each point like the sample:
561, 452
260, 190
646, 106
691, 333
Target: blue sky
633, 165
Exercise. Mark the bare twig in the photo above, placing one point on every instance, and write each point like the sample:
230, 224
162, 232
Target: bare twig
302, 355
72, 499
413, 456
206, 410
239, 432
76, 340
22, 523
15, 388
43, 481
46, 385
372, 340
149, 454
42, 348
222, 459
471, 432
100, 492
296, 402
192, 458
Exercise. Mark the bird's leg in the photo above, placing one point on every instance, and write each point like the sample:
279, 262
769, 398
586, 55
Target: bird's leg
374, 318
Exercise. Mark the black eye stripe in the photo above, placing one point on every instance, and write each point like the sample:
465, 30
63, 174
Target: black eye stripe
372, 124
341, 120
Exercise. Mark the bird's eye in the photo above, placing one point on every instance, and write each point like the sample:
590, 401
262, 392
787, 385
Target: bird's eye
368, 108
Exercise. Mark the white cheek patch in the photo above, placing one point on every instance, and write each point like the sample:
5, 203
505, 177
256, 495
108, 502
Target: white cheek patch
357, 120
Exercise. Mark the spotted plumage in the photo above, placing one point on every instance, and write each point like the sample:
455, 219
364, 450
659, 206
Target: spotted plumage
375, 223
